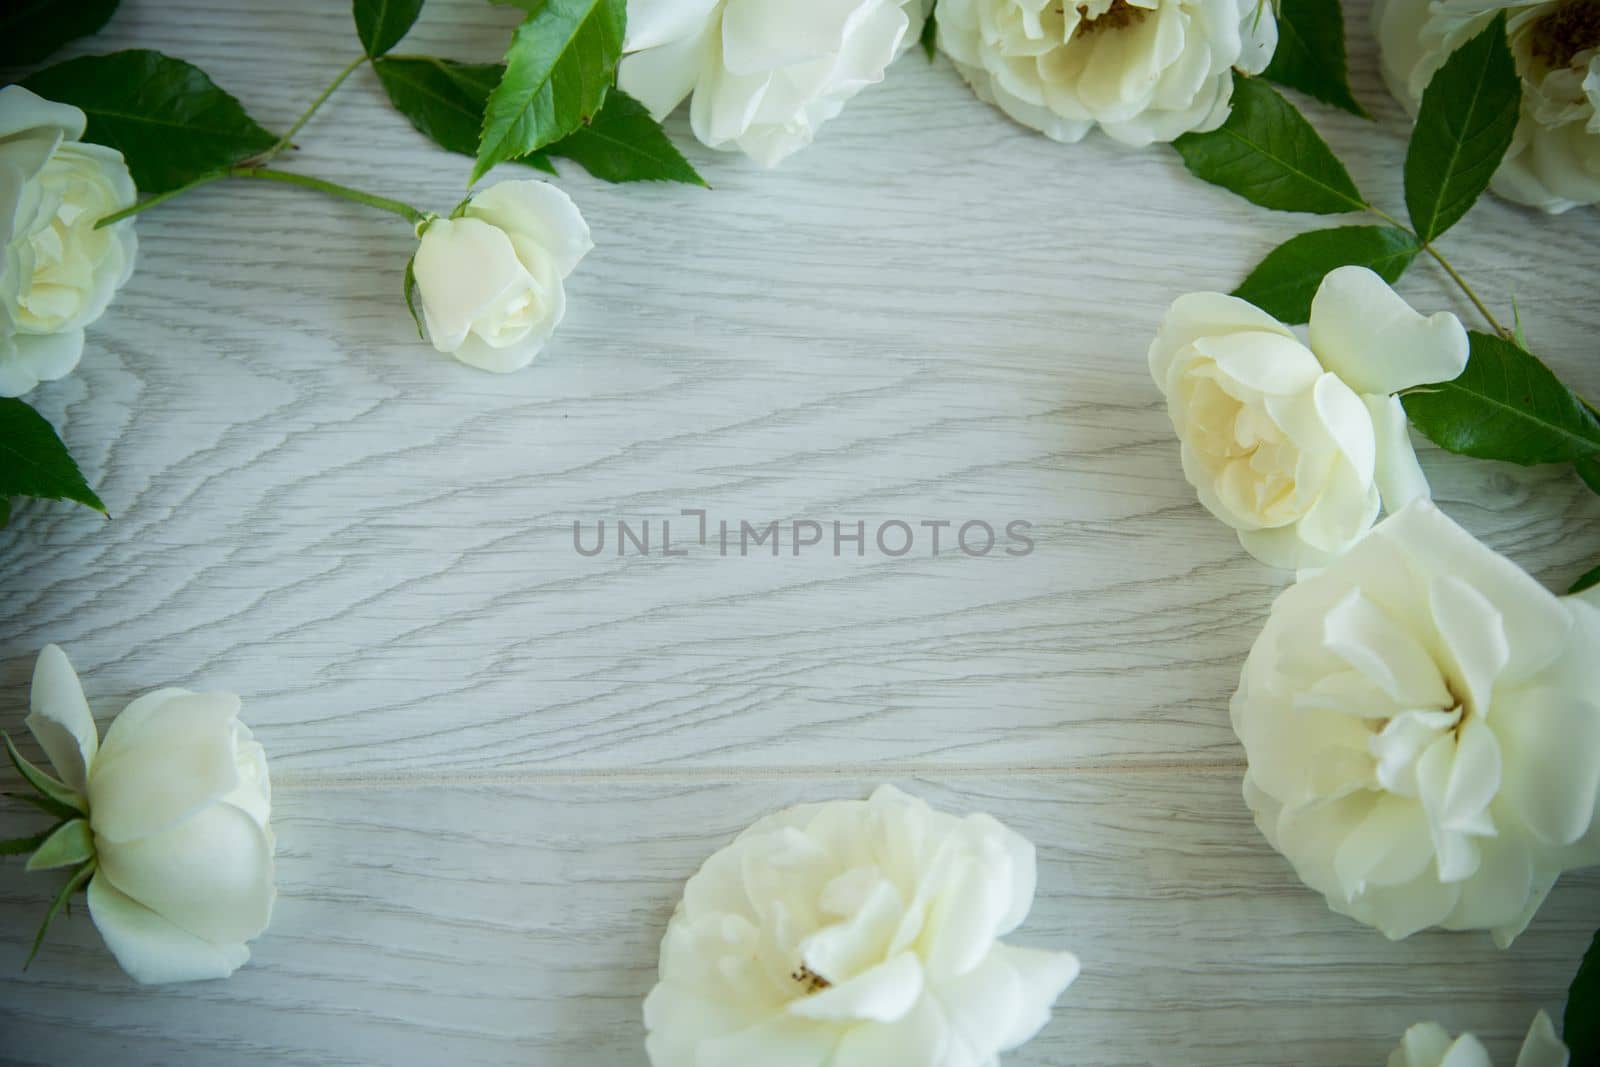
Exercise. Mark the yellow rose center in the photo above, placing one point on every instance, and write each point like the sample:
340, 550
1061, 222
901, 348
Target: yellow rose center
1565, 33
810, 980
1119, 15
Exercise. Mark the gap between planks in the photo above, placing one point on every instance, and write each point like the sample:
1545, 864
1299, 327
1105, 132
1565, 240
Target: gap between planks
311, 781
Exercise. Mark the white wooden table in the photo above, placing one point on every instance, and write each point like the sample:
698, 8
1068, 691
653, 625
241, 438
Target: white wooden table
497, 760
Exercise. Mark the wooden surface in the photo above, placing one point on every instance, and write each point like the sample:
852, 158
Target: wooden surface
497, 760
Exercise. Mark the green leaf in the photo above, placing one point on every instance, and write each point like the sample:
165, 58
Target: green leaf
44, 804
1268, 153
68, 845
1506, 405
930, 36
411, 301
1587, 580
444, 99
561, 61
624, 144
34, 462
1588, 469
170, 122
1310, 54
1464, 126
1284, 283
1580, 1026
381, 23
32, 29
21, 846
79, 879
47, 786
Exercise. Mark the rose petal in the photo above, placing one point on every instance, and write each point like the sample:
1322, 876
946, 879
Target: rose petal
1042, 976
1364, 636
1474, 778
1543, 882
50, 356
762, 35
1366, 334
1429, 544
462, 267
1197, 315
22, 109
965, 915
1401, 742
1282, 548
1466, 1051
163, 763
987, 1001
1348, 423
1549, 738
1399, 911
725, 104
1390, 847
782, 1041
1498, 892
253, 794
1424, 1043
843, 950
1398, 474
1542, 1048
540, 213
921, 1037
1021, 864
882, 994
1343, 511
474, 351
1474, 636
211, 874
659, 78
1263, 362
652, 23
59, 718
151, 949
1455, 855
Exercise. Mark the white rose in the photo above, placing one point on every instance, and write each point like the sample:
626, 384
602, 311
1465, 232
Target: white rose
764, 73
1554, 160
1430, 1045
1420, 721
1295, 444
178, 799
854, 934
491, 277
57, 272
1141, 70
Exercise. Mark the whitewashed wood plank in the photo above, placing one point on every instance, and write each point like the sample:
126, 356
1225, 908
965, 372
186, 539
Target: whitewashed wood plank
932, 314
516, 923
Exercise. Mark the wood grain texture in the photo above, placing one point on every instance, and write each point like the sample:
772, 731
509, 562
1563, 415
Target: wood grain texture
517, 922
931, 314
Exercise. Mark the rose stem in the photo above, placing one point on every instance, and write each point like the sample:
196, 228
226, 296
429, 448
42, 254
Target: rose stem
338, 79
382, 203
1448, 269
